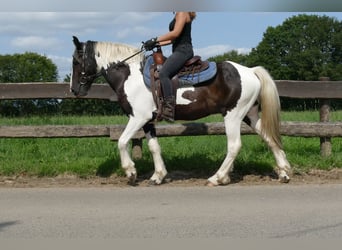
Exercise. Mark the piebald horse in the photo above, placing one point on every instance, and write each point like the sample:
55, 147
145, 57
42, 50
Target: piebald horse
235, 92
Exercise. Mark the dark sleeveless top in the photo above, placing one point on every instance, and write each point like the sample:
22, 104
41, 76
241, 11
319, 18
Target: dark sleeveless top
184, 38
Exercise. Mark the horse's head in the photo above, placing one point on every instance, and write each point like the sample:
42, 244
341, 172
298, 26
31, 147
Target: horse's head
84, 67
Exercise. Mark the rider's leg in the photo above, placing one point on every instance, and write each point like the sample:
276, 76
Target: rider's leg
170, 68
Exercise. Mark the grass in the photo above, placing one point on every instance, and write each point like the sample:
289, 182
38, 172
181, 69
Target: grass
199, 154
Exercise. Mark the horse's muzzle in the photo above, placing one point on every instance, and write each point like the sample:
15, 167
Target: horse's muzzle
80, 92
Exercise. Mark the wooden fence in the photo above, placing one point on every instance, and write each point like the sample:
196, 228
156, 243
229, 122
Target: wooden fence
324, 129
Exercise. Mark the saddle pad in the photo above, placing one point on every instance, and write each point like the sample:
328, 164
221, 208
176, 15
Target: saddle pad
185, 80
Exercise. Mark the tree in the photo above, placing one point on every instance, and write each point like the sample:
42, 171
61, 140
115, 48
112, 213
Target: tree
27, 67
304, 47
232, 55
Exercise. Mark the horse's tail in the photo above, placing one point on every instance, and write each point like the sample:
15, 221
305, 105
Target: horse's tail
270, 106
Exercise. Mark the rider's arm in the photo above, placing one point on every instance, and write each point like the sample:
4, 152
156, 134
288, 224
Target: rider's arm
181, 19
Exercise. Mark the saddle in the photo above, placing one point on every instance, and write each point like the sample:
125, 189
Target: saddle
191, 67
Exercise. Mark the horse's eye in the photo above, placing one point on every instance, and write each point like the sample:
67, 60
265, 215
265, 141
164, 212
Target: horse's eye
75, 62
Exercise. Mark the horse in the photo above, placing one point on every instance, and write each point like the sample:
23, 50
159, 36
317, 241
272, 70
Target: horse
235, 91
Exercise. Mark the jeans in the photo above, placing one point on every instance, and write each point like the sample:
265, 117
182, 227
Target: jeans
172, 65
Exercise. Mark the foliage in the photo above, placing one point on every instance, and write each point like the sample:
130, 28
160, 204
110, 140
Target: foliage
304, 47
88, 107
27, 67
232, 55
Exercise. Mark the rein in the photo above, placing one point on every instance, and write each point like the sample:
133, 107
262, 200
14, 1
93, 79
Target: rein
137, 53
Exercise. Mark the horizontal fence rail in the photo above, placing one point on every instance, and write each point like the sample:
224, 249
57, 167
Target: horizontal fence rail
302, 129
310, 89
13, 91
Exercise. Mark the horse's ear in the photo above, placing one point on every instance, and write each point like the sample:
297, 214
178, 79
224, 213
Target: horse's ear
77, 42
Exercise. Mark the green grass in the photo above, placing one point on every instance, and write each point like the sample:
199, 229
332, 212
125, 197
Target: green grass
198, 154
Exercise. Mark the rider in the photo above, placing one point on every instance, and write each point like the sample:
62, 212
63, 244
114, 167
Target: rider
180, 36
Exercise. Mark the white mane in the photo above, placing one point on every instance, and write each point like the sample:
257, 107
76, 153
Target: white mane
107, 52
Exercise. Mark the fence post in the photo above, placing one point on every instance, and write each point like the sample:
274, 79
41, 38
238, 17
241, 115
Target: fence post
324, 116
137, 148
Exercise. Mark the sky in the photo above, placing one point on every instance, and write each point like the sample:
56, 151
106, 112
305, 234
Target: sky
49, 33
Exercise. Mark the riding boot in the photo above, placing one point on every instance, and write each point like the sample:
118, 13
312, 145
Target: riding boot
168, 109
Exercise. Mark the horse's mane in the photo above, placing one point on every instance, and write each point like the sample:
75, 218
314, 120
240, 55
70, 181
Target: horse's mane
117, 51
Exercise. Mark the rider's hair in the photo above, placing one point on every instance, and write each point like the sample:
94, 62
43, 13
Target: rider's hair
192, 15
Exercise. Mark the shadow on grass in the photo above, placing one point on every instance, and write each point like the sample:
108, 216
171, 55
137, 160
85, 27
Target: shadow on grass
108, 167
189, 167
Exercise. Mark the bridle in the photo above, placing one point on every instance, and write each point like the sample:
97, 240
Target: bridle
84, 79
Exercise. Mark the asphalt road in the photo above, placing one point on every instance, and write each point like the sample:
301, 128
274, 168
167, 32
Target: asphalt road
277, 211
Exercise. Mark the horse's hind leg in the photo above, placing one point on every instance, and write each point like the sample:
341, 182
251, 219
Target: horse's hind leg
284, 168
154, 147
233, 126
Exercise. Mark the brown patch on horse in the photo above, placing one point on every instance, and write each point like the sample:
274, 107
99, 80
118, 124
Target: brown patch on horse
215, 96
116, 75
233, 79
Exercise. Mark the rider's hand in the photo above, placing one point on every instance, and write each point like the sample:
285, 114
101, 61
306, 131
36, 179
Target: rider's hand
151, 44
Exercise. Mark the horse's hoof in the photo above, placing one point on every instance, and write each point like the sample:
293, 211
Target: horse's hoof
210, 184
284, 179
153, 183
132, 180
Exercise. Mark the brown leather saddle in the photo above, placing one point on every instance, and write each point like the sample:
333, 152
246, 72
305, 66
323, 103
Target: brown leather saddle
191, 67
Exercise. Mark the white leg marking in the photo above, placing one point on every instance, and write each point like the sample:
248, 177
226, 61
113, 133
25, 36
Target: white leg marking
159, 167
127, 164
284, 167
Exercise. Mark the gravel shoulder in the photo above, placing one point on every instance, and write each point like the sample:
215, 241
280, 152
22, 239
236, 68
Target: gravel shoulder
175, 178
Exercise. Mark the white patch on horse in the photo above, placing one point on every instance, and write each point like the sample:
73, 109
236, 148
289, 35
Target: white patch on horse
135, 87
250, 86
180, 99
70, 83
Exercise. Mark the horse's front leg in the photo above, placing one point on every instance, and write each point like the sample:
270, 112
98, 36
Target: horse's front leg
127, 163
159, 167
